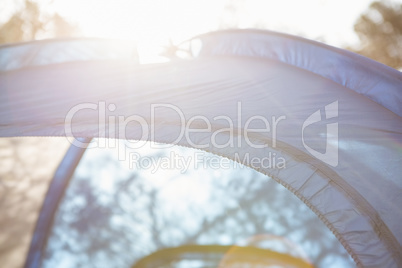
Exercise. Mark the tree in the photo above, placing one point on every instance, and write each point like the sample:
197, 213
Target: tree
380, 33
31, 23
112, 216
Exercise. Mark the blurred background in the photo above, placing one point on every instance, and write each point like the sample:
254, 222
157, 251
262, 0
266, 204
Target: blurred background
371, 28
114, 214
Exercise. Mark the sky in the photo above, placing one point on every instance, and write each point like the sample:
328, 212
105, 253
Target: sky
156, 21
154, 24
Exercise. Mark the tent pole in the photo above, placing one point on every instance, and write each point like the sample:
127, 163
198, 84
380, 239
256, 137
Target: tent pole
55, 193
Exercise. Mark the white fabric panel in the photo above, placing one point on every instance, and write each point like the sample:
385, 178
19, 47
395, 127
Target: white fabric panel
16, 56
365, 76
359, 199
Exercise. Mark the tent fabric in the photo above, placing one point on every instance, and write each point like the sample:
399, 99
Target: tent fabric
357, 196
45, 52
376, 81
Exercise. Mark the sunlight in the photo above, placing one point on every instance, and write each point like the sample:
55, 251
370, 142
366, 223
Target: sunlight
154, 24
151, 24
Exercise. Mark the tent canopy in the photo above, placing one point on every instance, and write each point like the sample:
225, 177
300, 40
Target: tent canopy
330, 118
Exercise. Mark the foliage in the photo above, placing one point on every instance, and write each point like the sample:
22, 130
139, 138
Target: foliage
380, 32
112, 216
31, 23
